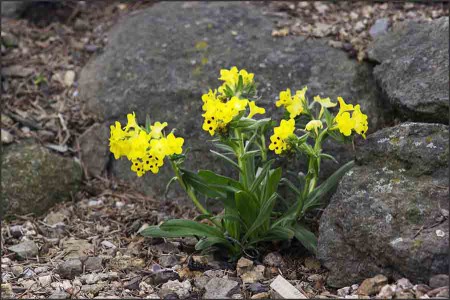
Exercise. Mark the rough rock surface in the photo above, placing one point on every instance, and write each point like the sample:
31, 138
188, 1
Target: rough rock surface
94, 146
413, 70
13, 9
34, 179
155, 66
389, 214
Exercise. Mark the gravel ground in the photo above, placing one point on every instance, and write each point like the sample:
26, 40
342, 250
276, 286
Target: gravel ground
91, 247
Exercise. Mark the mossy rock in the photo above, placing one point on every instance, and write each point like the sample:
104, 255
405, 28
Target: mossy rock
34, 179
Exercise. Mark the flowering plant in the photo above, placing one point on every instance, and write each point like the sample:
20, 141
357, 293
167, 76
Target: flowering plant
249, 217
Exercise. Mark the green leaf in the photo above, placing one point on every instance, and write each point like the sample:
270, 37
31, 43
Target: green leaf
263, 216
328, 156
250, 154
260, 175
291, 186
224, 147
247, 207
212, 178
227, 159
190, 228
259, 123
199, 185
315, 196
306, 237
328, 117
148, 123
168, 185
240, 84
277, 233
156, 231
271, 186
242, 123
211, 241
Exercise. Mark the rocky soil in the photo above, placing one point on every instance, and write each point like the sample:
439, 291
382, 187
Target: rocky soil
74, 215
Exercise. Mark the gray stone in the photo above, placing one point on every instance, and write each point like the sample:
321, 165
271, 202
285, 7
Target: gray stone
373, 223
220, 288
26, 249
379, 27
404, 284
162, 276
94, 148
181, 289
75, 248
70, 268
93, 288
6, 137
201, 281
167, 261
13, 9
413, 70
438, 281
372, 286
274, 259
34, 179
125, 262
93, 264
119, 81
257, 288
59, 295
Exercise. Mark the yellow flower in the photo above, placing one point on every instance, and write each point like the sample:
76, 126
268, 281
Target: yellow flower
254, 109
159, 147
236, 105
131, 122
345, 123
343, 107
314, 125
116, 141
361, 124
218, 114
139, 145
296, 107
281, 133
285, 98
210, 123
137, 167
174, 145
247, 78
145, 150
324, 102
231, 78
209, 100
302, 93
156, 129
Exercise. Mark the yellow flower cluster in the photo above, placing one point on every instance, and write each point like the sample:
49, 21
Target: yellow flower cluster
146, 150
218, 110
231, 78
295, 105
281, 134
346, 123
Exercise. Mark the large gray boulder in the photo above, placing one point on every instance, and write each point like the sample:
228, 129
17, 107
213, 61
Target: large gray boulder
13, 9
161, 60
389, 214
34, 179
413, 69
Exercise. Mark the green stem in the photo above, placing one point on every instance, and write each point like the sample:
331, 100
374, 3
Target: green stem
191, 194
313, 165
241, 162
